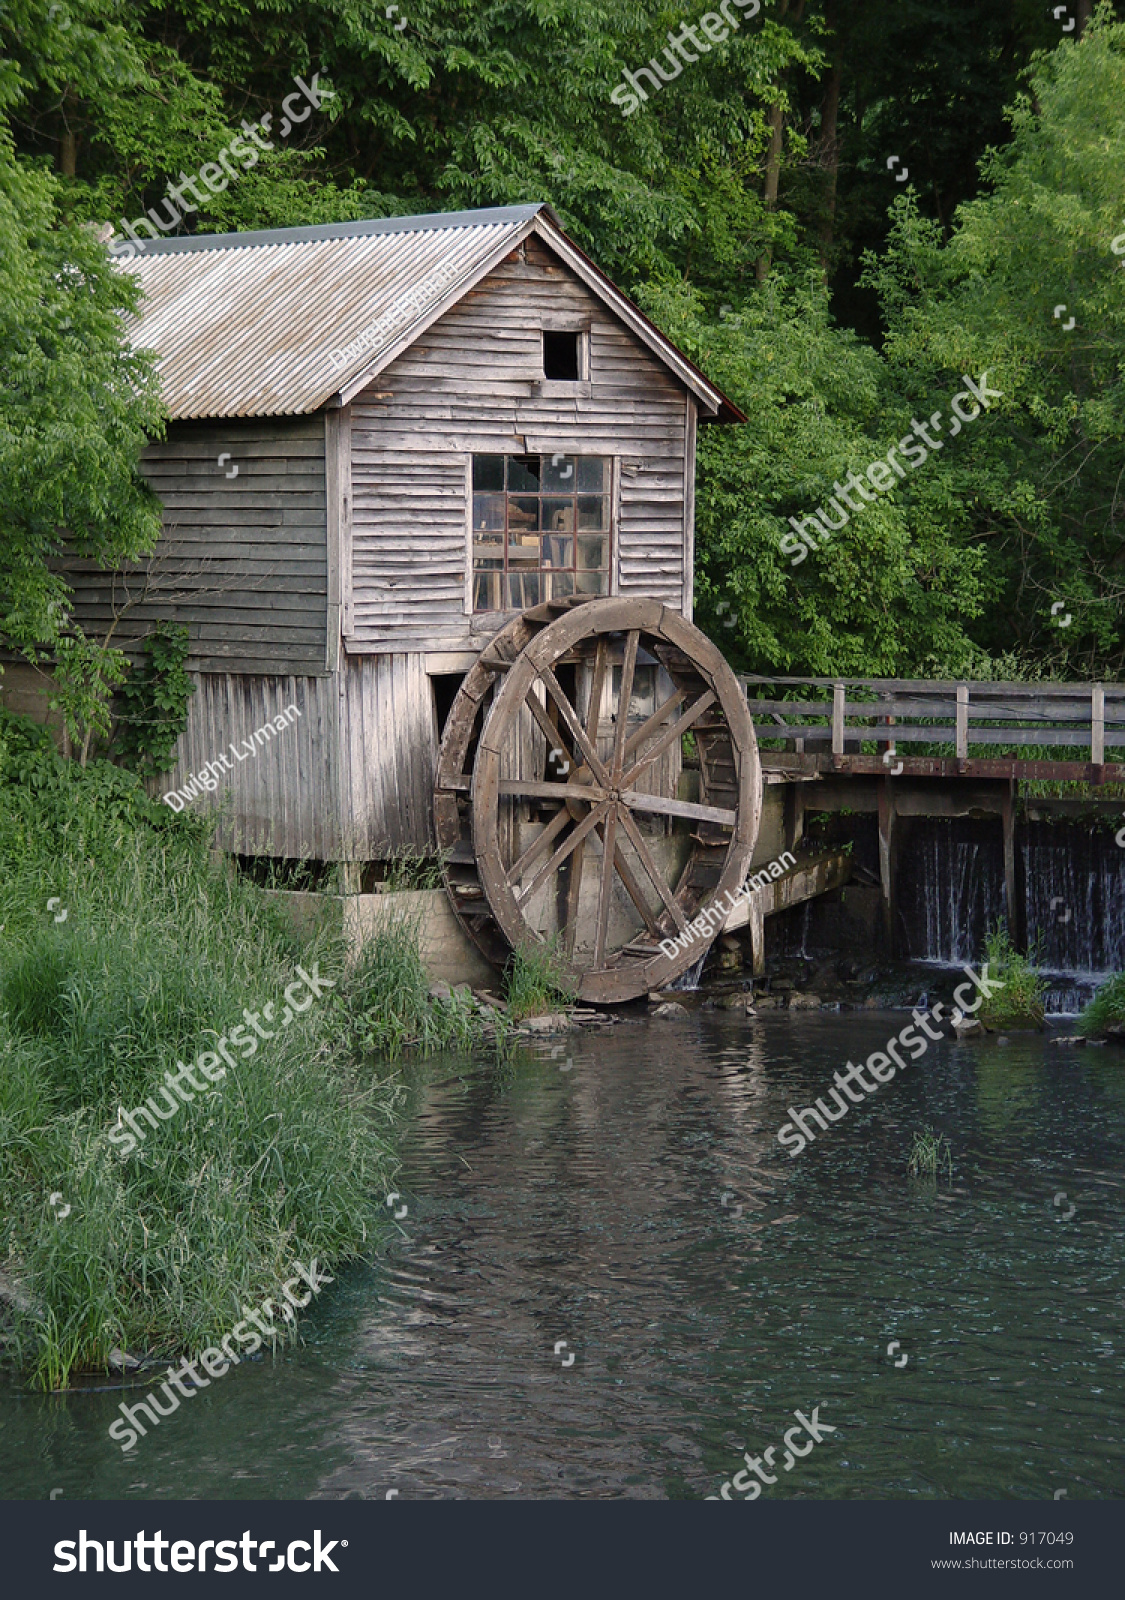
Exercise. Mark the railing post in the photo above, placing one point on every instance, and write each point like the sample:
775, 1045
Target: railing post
1097, 725
962, 722
839, 705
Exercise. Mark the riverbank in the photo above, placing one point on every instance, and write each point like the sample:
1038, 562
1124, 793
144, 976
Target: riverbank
182, 1113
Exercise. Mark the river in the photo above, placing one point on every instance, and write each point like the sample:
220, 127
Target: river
611, 1281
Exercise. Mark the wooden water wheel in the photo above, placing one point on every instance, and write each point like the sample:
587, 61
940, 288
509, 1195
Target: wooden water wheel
563, 811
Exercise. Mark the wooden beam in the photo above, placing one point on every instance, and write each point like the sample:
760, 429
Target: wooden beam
887, 860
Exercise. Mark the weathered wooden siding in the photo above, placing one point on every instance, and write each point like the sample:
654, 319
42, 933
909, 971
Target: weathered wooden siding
242, 560
350, 779
474, 384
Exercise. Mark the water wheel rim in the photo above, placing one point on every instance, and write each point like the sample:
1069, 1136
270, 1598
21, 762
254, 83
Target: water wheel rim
623, 973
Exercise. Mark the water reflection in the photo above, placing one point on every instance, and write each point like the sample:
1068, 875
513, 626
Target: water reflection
612, 1281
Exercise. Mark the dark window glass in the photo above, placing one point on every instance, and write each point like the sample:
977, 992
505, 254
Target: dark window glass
560, 357
488, 473
523, 473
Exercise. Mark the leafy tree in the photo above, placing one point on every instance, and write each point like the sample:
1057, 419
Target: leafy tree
76, 405
1043, 488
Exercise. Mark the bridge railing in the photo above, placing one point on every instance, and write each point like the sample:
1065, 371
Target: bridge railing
830, 720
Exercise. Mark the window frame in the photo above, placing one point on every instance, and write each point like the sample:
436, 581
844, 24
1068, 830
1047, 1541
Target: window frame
610, 494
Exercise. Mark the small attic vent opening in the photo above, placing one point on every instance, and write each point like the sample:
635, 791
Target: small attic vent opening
561, 355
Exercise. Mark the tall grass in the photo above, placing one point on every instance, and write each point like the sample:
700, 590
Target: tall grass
161, 949
389, 1005
534, 982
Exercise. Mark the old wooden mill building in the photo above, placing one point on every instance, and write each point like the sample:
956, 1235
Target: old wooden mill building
428, 491
403, 456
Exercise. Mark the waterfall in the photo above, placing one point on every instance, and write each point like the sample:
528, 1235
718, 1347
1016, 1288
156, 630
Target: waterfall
1074, 899
1071, 882
950, 888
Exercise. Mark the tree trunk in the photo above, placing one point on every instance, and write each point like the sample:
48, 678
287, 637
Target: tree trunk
1085, 10
773, 155
830, 156
68, 141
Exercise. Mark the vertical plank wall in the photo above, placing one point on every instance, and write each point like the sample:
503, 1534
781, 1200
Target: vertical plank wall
350, 779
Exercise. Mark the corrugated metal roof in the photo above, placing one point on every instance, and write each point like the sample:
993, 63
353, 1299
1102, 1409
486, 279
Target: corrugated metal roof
288, 321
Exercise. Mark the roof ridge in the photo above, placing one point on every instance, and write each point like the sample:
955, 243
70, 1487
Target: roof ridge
425, 222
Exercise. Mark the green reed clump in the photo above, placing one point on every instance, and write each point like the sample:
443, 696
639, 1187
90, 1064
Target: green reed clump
1021, 998
1106, 1008
929, 1155
389, 1004
534, 981
161, 948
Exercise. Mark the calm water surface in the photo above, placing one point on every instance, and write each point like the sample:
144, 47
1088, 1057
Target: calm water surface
586, 1205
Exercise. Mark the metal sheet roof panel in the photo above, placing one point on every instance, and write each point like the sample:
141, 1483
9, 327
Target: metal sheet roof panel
287, 321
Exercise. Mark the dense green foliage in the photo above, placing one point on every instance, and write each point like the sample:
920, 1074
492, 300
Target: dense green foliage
153, 702
752, 204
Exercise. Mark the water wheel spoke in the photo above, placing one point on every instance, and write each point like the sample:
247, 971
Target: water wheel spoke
628, 673
577, 731
597, 687
637, 841
676, 731
605, 894
568, 845
544, 789
546, 726
647, 729
573, 895
540, 842
632, 887
679, 808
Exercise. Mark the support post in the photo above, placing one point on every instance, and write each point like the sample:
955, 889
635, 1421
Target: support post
886, 859
962, 722
794, 815
1097, 728
757, 937
1011, 887
839, 708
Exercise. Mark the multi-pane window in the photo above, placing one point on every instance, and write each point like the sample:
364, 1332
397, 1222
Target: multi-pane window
540, 529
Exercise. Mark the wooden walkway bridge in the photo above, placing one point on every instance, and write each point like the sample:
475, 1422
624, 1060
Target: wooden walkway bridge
825, 724
909, 748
